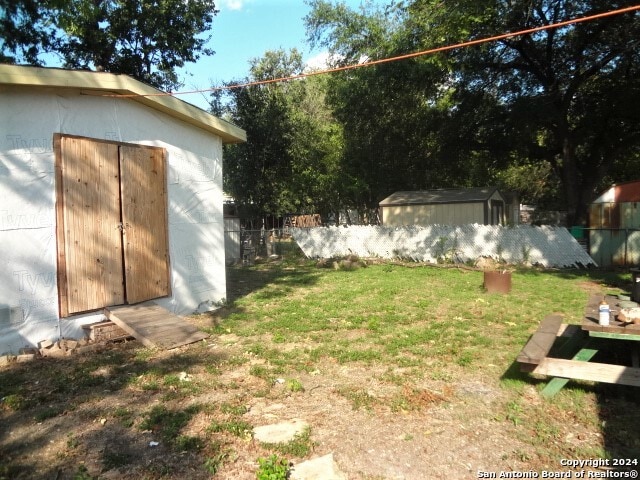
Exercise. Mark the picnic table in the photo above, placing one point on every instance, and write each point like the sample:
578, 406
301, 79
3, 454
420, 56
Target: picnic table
573, 347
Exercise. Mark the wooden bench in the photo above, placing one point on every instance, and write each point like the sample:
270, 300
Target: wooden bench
541, 341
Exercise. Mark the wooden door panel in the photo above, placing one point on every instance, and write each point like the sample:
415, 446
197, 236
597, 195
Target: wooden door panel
144, 216
91, 256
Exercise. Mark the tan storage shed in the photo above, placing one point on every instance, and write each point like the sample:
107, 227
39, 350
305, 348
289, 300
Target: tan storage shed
483, 206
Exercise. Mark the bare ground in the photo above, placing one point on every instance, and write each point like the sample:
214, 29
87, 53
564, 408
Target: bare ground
450, 431
375, 429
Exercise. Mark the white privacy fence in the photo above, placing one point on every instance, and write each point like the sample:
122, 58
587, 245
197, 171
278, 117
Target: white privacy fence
545, 246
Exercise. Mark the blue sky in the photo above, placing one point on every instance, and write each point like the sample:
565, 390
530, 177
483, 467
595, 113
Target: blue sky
245, 29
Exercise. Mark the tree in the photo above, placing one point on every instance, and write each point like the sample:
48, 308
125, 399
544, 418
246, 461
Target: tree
574, 88
391, 114
288, 164
23, 32
147, 40
564, 98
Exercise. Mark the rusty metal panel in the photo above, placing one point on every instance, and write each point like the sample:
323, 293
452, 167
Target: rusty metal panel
595, 215
610, 215
615, 247
627, 192
630, 215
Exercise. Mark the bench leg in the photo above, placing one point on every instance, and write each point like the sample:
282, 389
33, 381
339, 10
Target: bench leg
556, 384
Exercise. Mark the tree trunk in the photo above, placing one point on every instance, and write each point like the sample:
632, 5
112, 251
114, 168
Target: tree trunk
570, 179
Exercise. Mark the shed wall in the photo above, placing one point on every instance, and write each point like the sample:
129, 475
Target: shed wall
614, 236
28, 120
614, 215
615, 247
435, 214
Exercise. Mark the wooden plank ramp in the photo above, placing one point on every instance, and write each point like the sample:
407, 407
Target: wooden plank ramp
154, 326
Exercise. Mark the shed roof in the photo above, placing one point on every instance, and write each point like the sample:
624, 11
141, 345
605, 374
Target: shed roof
449, 195
621, 193
101, 83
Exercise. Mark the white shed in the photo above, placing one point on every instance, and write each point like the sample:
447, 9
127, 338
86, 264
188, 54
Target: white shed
111, 194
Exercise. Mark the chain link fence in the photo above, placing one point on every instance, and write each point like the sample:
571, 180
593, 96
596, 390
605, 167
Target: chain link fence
264, 243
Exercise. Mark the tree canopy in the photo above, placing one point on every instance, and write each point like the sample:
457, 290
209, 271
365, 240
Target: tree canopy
147, 40
553, 115
574, 89
558, 103
289, 162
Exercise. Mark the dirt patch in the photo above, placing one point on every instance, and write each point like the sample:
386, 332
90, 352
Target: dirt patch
374, 429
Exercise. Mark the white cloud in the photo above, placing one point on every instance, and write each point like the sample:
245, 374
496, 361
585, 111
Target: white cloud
230, 4
318, 62
326, 61
321, 61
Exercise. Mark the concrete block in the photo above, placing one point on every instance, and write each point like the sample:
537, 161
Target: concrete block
6, 359
54, 351
25, 357
103, 331
281, 432
45, 344
70, 344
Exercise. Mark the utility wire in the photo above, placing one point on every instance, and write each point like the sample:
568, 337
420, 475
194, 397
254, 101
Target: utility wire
399, 57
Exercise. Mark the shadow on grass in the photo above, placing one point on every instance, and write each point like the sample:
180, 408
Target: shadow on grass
617, 409
617, 279
268, 280
244, 280
85, 394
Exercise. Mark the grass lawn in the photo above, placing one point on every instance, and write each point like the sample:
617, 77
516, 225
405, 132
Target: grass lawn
392, 343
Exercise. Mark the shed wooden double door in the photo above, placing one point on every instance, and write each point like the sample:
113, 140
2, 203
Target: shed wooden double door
112, 235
